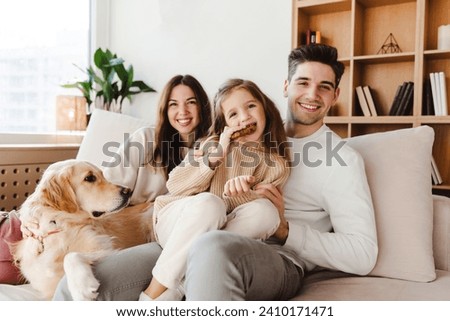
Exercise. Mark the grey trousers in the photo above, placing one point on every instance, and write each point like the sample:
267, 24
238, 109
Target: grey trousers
221, 266
227, 266
123, 275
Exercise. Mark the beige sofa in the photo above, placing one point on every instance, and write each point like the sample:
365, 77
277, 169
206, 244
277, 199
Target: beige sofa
413, 226
335, 286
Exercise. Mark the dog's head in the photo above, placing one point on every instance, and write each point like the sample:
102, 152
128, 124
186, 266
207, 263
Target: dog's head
74, 185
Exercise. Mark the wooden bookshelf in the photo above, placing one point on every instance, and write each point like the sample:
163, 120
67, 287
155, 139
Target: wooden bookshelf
358, 29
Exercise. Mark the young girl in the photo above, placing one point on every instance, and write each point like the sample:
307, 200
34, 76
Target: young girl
215, 191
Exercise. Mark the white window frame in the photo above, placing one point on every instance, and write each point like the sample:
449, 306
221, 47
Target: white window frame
99, 37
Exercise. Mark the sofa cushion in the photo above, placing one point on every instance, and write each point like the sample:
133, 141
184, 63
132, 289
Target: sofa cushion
105, 132
441, 232
338, 286
398, 167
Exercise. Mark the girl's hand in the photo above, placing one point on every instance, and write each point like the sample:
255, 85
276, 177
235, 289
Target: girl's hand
197, 154
238, 185
225, 138
219, 153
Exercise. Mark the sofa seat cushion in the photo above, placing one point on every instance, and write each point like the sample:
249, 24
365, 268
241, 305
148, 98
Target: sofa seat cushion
24, 292
338, 286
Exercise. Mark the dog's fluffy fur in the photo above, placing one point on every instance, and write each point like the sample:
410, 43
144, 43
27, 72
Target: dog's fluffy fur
76, 217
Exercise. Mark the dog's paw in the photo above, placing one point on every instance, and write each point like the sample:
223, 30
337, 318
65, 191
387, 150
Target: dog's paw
86, 291
80, 279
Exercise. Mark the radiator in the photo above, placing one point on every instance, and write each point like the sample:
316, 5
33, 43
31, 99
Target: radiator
21, 167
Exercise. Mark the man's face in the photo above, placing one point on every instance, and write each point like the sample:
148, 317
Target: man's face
311, 93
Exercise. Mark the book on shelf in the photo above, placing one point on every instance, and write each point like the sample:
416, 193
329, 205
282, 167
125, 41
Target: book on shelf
370, 101
434, 93
439, 93
443, 92
397, 98
435, 174
312, 36
362, 101
427, 99
407, 100
395, 101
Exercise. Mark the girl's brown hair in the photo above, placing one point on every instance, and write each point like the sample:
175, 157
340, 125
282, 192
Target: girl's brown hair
274, 136
167, 152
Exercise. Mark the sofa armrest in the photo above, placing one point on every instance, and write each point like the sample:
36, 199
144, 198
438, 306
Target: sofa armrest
441, 232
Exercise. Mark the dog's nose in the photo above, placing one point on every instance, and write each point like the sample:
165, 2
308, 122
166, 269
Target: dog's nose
125, 191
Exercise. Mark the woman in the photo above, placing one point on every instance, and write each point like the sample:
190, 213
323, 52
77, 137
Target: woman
184, 115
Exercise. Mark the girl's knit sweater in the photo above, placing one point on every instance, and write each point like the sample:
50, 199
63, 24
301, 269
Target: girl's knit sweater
194, 175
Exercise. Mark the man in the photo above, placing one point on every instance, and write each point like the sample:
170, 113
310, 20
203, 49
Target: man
326, 212
327, 219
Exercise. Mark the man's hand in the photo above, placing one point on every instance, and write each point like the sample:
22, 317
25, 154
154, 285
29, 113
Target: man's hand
275, 195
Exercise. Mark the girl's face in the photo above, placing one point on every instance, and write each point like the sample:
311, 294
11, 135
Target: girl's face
240, 109
183, 110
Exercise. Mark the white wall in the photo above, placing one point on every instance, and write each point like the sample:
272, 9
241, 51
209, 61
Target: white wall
211, 39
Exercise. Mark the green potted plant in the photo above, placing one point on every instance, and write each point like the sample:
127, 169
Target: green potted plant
109, 83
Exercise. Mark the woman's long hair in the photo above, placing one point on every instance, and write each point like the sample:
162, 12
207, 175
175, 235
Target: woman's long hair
168, 148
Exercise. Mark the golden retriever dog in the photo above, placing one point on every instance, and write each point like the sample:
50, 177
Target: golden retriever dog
73, 218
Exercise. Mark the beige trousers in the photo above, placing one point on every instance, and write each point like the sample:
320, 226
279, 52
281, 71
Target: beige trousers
181, 222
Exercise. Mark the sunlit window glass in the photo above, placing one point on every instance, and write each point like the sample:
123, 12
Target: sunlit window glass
40, 42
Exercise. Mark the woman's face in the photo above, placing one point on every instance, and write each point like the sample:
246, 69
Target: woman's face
183, 110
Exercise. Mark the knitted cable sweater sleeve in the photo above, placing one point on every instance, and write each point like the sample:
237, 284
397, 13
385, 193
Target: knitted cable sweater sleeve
277, 170
269, 169
191, 177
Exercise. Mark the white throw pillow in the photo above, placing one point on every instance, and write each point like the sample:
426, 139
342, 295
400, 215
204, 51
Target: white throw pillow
104, 134
398, 167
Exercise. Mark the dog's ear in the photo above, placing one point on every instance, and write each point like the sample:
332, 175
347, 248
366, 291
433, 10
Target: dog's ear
57, 192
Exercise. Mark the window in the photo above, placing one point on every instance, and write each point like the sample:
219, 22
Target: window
41, 42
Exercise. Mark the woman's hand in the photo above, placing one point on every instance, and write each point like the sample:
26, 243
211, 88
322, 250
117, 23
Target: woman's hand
238, 185
275, 195
26, 227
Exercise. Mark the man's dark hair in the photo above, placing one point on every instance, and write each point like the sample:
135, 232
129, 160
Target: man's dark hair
316, 52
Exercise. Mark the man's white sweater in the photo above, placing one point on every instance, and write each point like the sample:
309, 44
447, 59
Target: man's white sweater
328, 206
